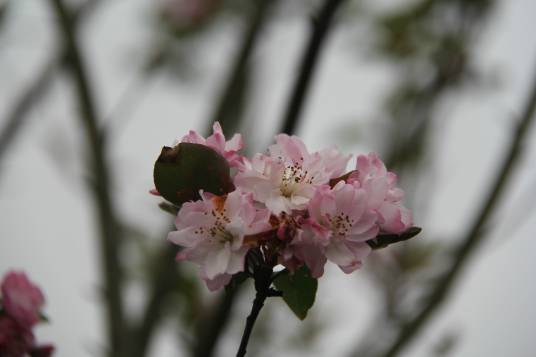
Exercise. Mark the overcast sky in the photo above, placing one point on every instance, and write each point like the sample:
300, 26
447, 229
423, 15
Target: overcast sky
46, 218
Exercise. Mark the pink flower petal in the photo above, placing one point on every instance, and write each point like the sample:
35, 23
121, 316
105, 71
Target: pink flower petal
217, 261
21, 299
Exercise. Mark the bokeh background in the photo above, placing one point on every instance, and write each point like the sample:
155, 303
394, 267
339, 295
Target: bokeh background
442, 89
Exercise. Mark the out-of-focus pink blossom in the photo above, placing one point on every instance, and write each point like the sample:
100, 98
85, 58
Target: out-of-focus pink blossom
21, 299
383, 195
42, 351
21, 302
286, 179
228, 149
15, 339
186, 13
212, 232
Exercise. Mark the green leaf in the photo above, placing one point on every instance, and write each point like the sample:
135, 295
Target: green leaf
180, 172
383, 240
299, 290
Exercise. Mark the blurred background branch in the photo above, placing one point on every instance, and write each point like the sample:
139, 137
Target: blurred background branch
432, 50
100, 181
18, 112
230, 107
320, 26
476, 233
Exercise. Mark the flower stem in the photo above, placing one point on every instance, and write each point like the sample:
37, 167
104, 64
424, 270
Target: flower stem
262, 274
258, 303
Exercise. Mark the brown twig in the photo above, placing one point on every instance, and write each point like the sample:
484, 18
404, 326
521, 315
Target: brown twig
262, 274
258, 303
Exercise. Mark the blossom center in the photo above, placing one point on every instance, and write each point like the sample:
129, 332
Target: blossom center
341, 224
293, 175
218, 231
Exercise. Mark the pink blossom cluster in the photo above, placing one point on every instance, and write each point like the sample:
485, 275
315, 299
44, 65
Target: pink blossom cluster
296, 206
186, 13
20, 310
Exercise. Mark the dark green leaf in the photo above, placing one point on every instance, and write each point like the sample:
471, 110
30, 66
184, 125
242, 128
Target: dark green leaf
299, 290
383, 240
180, 172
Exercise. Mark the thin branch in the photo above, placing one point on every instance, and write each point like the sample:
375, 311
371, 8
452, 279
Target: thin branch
321, 25
262, 275
474, 236
258, 303
22, 105
109, 227
18, 112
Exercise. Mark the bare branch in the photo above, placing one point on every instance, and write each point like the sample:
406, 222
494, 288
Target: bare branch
321, 25
475, 235
230, 104
18, 113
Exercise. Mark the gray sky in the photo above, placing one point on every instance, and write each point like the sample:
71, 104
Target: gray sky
46, 219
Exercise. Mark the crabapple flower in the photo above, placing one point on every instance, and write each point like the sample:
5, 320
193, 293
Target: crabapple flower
384, 196
212, 233
21, 299
288, 206
286, 178
334, 162
342, 219
228, 149
338, 225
